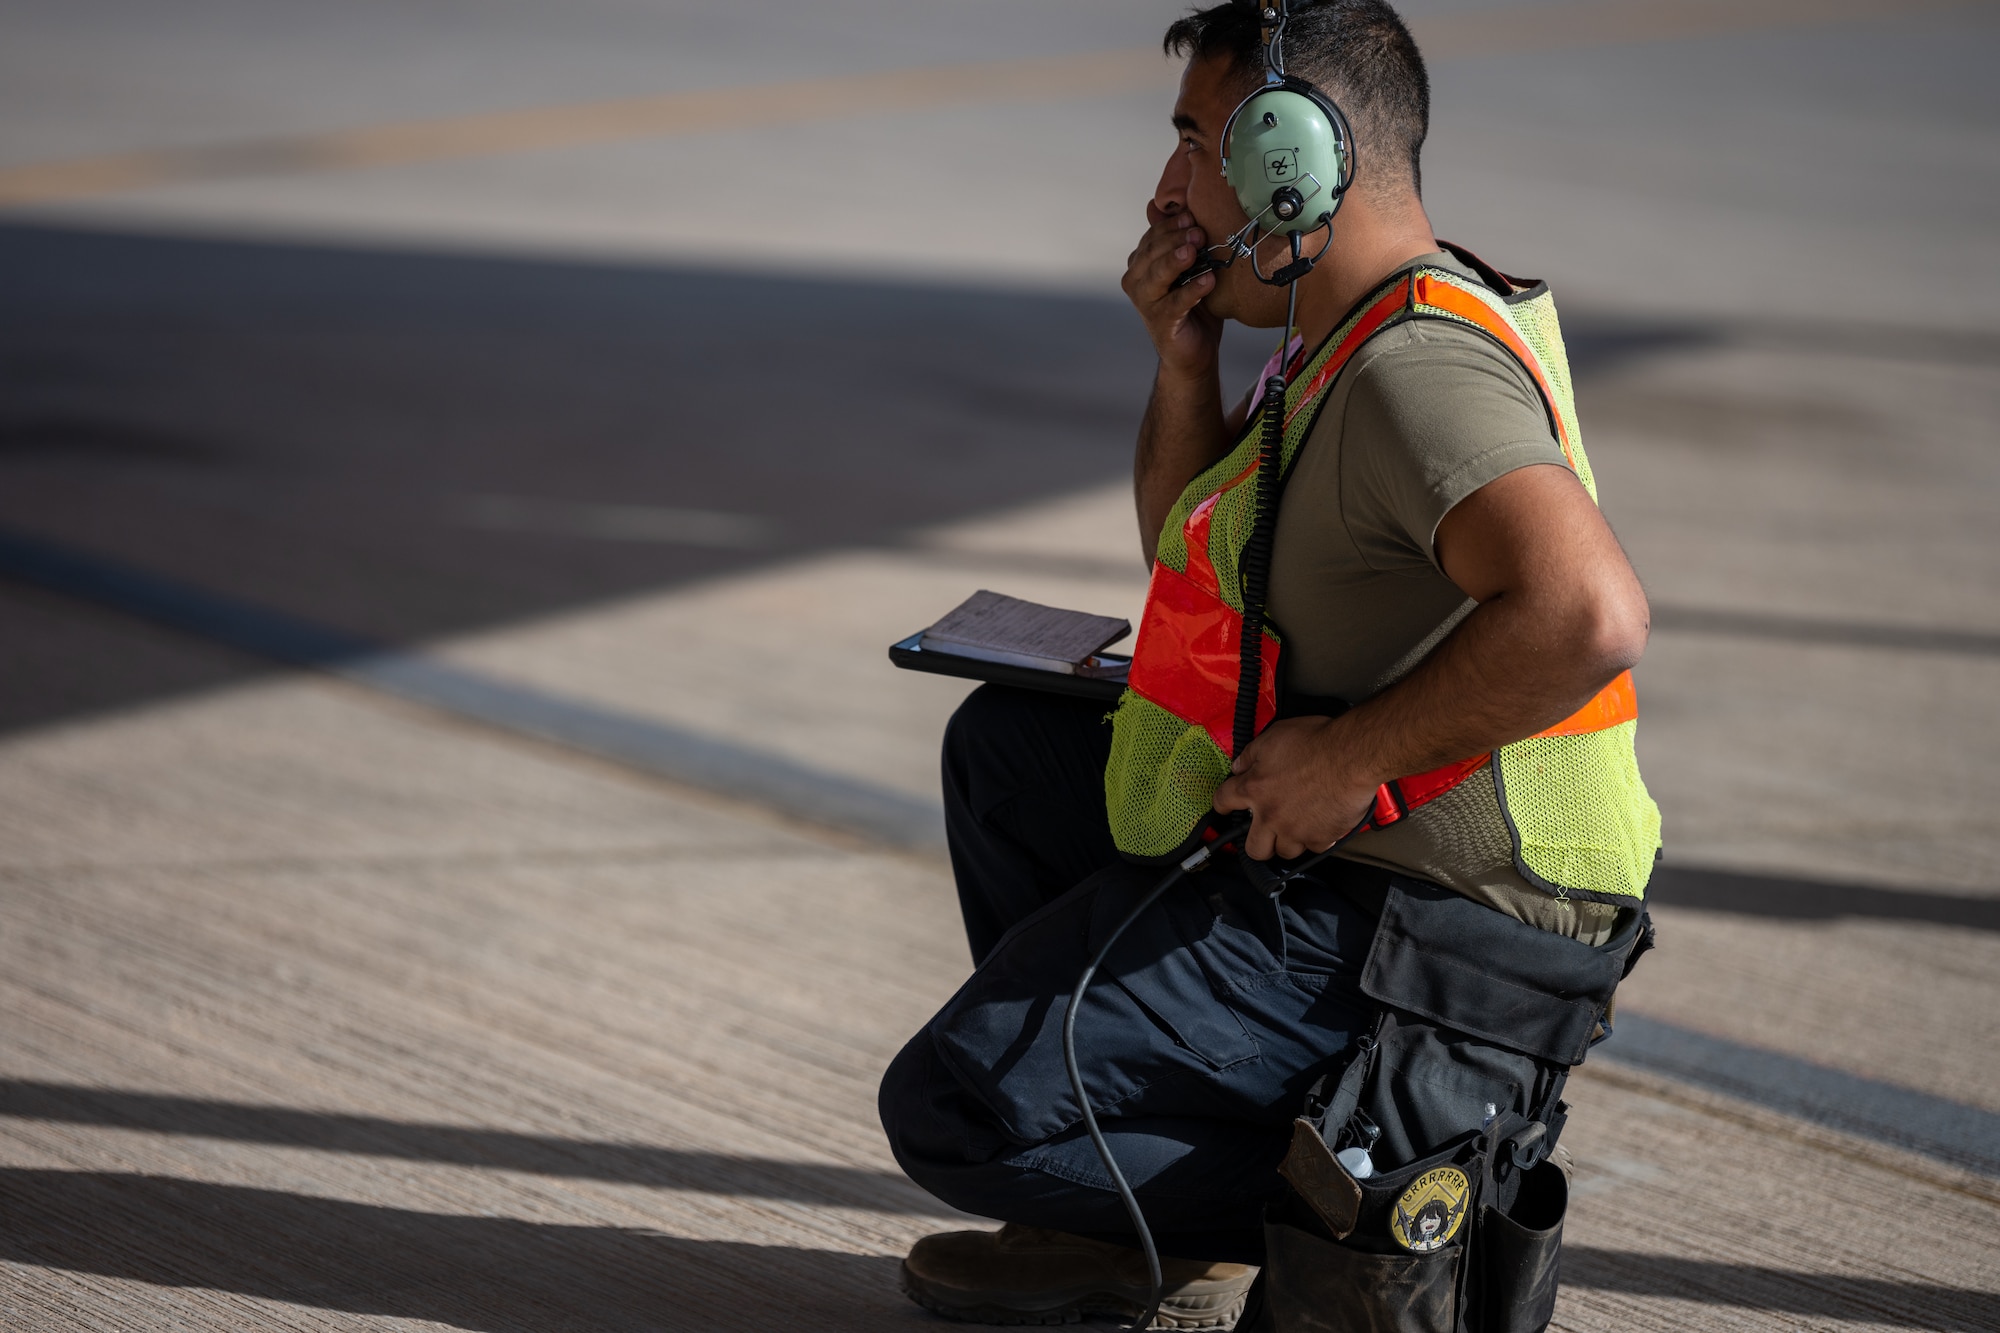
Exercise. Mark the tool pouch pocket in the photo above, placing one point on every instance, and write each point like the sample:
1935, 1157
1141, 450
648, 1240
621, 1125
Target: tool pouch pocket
1517, 1248
1316, 1285
1463, 1241
1462, 965
1480, 1015
1372, 1280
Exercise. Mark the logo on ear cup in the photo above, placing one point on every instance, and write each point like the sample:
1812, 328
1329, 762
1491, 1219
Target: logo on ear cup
1430, 1210
1281, 166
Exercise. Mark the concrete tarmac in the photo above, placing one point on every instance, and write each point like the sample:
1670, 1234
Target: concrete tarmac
323, 1010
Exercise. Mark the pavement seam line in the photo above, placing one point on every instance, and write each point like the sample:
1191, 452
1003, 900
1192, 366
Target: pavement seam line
1939, 1174
1866, 1108
836, 801
1948, 1131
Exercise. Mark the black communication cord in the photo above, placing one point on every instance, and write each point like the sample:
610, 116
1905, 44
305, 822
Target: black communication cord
1233, 832
1255, 565
1194, 862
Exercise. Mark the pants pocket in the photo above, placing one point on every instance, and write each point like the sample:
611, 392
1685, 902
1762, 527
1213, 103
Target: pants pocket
1518, 1250
1316, 1285
1151, 1018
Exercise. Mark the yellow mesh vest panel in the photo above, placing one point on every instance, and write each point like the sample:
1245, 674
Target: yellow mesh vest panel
1535, 320
1579, 813
1161, 779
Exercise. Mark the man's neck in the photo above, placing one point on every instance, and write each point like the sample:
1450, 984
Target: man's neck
1367, 247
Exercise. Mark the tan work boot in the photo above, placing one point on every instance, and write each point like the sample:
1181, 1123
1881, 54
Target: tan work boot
1031, 1275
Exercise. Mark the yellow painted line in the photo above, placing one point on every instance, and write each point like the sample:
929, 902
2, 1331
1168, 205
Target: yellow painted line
593, 122
1572, 23
1563, 23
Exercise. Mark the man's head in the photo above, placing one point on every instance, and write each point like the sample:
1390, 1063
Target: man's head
1356, 51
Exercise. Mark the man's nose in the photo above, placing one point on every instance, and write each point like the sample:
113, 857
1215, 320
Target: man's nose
1171, 194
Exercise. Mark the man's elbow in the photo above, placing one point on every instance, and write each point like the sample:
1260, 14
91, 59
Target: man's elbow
1613, 630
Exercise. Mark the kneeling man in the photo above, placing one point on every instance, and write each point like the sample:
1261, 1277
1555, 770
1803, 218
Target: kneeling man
1451, 628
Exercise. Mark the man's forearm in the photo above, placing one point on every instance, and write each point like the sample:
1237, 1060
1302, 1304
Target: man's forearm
1183, 432
1516, 666
1510, 670
1560, 614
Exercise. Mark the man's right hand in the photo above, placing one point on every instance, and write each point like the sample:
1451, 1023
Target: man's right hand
1186, 336
1184, 430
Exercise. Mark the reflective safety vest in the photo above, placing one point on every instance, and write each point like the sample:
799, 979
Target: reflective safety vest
1577, 813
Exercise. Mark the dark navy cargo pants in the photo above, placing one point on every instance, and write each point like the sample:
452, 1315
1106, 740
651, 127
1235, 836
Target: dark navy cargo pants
1197, 1041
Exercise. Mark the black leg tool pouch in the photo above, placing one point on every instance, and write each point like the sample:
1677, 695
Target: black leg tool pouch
1456, 1095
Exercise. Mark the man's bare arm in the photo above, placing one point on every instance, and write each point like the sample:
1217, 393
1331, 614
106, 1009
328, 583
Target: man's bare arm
1183, 432
1560, 614
1184, 429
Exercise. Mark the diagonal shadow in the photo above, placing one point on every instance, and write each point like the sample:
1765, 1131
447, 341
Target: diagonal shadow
494, 1275
499, 1275
408, 444
1820, 629
623, 1163
1925, 1305
1813, 900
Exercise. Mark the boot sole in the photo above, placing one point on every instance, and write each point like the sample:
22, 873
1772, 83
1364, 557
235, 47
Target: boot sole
1215, 1313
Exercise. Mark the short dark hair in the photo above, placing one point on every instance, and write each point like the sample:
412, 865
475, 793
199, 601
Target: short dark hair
1358, 51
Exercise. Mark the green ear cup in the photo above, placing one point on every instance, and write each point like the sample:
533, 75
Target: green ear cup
1288, 156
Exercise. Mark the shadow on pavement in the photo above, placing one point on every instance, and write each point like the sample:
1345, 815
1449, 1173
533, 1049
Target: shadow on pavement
402, 444
1812, 900
496, 1275
538, 1154
501, 1275
1813, 1295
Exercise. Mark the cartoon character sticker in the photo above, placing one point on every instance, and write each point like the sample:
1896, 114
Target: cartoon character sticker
1429, 1212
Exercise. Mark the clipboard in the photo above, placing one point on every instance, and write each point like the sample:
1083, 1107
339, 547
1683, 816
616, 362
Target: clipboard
911, 655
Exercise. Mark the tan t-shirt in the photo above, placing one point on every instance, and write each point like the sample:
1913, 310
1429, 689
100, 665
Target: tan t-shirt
1424, 415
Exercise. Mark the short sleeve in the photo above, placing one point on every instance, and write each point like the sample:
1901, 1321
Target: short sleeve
1434, 414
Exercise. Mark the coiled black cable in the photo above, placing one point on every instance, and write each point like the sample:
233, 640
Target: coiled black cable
1254, 565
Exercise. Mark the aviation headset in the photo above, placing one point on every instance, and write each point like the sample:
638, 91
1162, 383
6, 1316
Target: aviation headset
1288, 154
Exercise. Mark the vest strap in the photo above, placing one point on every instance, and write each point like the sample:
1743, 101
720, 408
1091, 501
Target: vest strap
1439, 294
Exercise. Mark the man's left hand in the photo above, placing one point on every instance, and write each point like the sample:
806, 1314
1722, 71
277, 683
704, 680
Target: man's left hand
1301, 795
